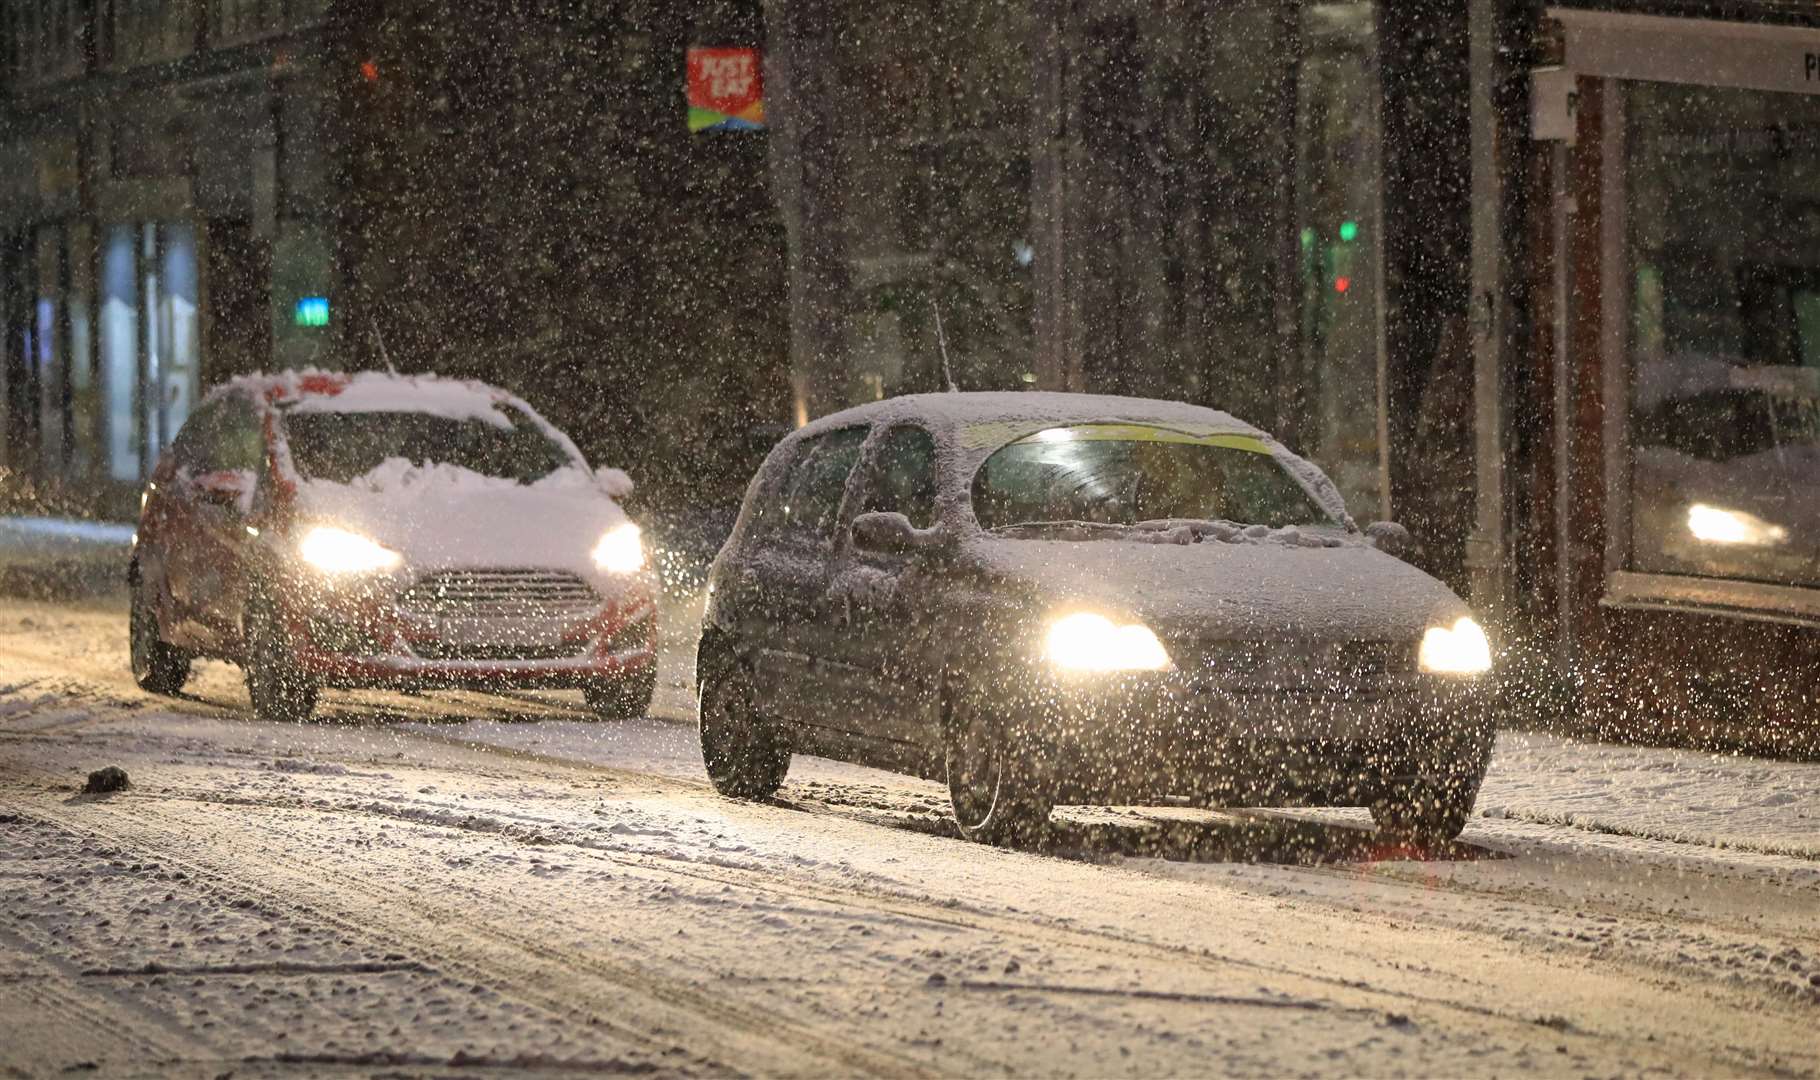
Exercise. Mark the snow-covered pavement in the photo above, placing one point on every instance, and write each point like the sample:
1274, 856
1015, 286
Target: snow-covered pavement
478, 884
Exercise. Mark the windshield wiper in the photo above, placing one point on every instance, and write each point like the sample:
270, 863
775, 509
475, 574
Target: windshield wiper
1098, 530
1103, 527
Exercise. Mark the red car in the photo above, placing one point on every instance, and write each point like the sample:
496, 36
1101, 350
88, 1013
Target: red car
379, 530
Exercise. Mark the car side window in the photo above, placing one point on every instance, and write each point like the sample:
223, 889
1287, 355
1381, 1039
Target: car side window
812, 491
239, 438
195, 442
902, 478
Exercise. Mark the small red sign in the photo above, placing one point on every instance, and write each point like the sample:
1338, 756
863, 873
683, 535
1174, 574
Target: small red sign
726, 89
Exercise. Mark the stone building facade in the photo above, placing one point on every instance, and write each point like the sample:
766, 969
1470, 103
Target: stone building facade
505, 189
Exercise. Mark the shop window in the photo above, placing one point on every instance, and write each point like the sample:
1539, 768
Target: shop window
179, 344
149, 340
1724, 251
79, 355
47, 348
119, 339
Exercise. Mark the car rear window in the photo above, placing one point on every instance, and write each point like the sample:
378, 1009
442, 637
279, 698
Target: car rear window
341, 446
1124, 474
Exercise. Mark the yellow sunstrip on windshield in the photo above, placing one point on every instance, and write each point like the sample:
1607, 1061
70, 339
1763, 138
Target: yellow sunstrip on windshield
989, 434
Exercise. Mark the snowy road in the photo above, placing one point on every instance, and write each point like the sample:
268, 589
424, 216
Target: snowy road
488, 884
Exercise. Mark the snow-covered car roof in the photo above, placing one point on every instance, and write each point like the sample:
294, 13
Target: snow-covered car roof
314, 390
1031, 410
973, 424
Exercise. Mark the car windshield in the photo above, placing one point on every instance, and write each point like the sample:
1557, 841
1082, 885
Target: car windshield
1129, 474
340, 446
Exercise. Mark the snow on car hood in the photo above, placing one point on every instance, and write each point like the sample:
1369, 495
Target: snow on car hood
1236, 590
442, 517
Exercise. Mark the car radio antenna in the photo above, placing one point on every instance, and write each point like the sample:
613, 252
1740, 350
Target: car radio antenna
941, 341
379, 340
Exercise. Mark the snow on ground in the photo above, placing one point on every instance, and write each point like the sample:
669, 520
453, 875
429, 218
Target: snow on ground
1721, 800
480, 883
61, 557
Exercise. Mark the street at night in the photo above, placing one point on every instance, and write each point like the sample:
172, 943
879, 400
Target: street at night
949, 538
466, 882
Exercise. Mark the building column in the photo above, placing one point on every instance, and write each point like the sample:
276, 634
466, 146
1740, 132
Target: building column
811, 177
1054, 157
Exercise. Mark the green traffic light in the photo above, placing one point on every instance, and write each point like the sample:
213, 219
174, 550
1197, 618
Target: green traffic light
1349, 231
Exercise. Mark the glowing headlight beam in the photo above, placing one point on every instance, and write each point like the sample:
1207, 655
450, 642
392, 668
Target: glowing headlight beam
338, 551
621, 550
1717, 525
1085, 641
1461, 649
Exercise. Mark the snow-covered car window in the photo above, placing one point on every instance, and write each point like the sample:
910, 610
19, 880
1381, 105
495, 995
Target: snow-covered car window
340, 446
812, 491
1123, 474
903, 476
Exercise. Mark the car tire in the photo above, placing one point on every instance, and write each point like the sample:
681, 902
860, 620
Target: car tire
280, 692
1434, 809
995, 799
625, 699
746, 755
158, 667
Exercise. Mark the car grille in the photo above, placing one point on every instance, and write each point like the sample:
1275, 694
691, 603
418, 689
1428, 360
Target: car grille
446, 650
1318, 667
500, 594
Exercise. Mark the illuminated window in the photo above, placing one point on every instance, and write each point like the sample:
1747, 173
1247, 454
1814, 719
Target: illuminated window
311, 311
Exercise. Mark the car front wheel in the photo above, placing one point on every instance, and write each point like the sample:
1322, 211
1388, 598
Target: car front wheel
158, 668
746, 755
1434, 808
280, 692
991, 787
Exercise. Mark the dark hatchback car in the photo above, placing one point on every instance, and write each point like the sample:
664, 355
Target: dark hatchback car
1061, 599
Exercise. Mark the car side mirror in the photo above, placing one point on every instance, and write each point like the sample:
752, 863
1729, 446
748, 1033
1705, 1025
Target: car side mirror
227, 488
614, 482
891, 531
1390, 538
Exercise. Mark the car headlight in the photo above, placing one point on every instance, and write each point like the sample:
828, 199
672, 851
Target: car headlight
621, 550
1088, 642
338, 551
1461, 649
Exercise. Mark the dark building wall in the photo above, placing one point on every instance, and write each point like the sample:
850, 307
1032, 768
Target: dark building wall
502, 190
1428, 243
518, 199
144, 144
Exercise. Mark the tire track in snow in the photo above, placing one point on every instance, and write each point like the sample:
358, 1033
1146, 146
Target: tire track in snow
1309, 987
750, 1038
1122, 945
104, 1020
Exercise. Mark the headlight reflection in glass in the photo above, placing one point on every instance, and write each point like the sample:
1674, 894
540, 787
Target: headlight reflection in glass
621, 550
338, 551
1717, 525
1461, 649
1085, 641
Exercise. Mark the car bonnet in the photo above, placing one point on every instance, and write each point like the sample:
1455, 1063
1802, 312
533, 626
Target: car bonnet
1268, 586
